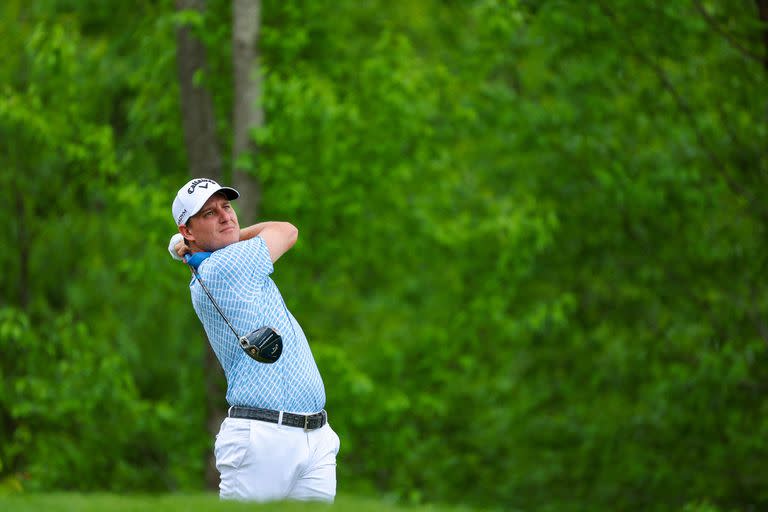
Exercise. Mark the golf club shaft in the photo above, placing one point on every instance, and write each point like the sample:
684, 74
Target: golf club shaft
213, 301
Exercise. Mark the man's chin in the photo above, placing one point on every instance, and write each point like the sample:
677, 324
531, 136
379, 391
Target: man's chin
220, 244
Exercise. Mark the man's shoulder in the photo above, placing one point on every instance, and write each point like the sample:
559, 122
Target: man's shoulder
236, 247
230, 253
234, 257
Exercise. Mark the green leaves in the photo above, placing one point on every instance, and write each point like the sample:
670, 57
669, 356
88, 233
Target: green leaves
531, 247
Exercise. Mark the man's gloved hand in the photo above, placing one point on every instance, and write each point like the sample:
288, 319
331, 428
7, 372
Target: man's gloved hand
177, 247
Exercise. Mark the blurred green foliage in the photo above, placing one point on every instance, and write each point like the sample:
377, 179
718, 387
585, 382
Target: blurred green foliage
192, 502
532, 241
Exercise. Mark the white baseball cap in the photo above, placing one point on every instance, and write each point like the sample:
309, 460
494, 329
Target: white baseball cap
192, 196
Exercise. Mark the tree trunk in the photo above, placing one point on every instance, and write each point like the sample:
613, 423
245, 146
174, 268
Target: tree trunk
762, 12
196, 103
23, 247
204, 161
248, 113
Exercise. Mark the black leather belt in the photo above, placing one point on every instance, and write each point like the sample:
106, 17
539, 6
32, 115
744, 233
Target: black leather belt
305, 421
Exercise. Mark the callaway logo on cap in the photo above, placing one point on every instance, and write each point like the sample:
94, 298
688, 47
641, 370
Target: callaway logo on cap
192, 196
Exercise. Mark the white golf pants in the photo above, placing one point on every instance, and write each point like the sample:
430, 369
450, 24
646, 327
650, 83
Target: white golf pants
262, 461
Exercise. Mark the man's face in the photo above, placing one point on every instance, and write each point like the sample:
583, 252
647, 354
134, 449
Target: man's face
214, 226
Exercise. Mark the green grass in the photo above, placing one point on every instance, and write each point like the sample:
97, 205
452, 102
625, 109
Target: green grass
67, 502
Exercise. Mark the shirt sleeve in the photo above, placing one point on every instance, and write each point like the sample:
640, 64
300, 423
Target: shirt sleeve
243, 265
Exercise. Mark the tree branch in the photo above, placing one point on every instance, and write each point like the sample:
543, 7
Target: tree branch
728, 37
687, 111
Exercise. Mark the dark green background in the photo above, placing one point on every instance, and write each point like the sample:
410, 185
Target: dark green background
532, 250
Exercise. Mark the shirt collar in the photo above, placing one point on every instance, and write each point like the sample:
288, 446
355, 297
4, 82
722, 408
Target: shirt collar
196, 259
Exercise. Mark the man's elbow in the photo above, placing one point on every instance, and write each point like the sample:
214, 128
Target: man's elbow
292, 234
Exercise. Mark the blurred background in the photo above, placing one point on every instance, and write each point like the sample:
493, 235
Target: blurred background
532, 254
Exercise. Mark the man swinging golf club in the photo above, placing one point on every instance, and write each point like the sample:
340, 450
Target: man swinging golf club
275, 442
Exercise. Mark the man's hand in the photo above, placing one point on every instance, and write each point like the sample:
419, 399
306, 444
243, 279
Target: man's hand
177, 248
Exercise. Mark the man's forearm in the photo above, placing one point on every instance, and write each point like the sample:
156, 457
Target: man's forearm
254, 230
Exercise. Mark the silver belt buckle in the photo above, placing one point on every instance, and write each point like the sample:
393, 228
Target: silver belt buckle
306, 422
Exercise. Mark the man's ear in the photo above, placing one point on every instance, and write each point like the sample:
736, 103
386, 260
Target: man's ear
186, 233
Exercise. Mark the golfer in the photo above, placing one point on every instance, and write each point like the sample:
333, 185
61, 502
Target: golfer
275, 442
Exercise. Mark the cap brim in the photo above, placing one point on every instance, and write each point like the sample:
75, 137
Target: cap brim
229, 192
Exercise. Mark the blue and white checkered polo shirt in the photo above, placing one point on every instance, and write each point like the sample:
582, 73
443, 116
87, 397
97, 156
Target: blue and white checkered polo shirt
238, 278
